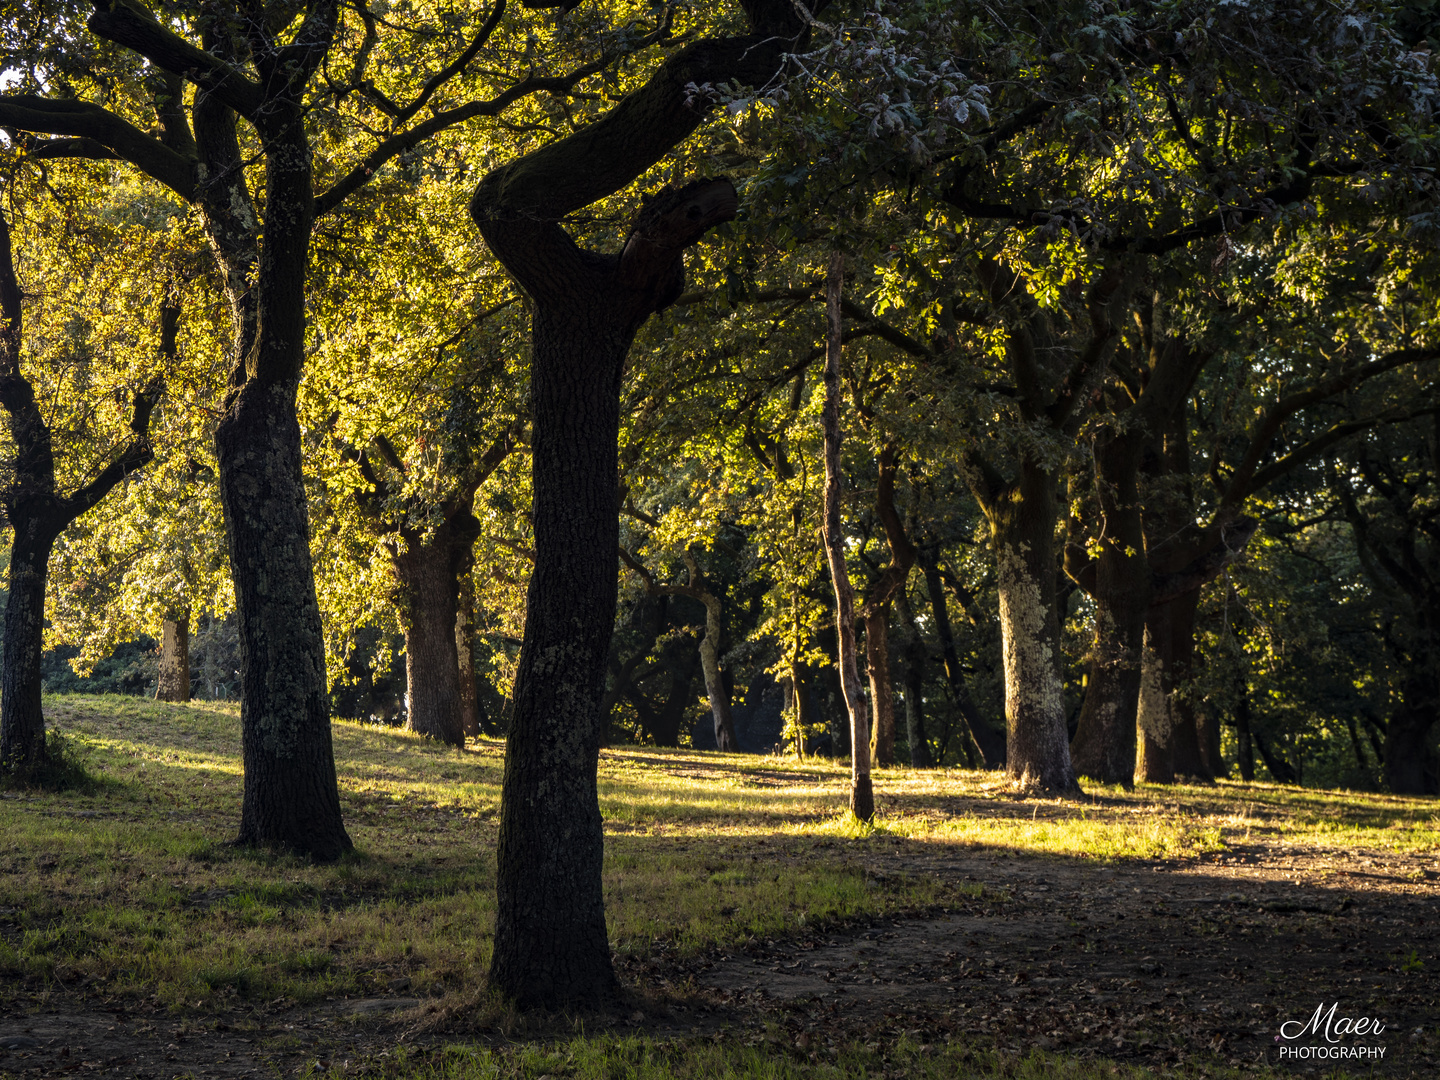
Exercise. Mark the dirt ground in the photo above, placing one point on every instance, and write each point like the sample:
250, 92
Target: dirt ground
1189, 961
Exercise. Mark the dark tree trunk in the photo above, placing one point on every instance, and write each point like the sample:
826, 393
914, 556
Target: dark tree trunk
882, 693
551, 947
550, 941
174, 681
1167, 731
1104, 742
470, 717
1022, 524
1244, 742
989, 742
915, 711
1280, 769
663, 724
22, 723
428, 573
715, 689
291, 799
1410, 765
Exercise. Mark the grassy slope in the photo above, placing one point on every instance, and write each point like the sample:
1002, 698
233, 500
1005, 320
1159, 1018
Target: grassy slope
133, 889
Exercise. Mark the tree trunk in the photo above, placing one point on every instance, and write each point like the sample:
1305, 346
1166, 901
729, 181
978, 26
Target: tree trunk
882, 693
551, 947
428, 603
1022, 523
174, 681
1166, 728
1410, 765
1154, 726
1104, 742
986, 739
715, 690
1245, 745
291, 798
1280, 769
800, 696
862, 796
22, 723
470, 722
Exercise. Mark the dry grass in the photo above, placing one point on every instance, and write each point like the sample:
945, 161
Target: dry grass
132, 887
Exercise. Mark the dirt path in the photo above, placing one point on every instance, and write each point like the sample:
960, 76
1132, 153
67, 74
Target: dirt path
1153, 963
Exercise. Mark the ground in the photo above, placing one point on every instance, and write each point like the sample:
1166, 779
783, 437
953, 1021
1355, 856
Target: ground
1164, 929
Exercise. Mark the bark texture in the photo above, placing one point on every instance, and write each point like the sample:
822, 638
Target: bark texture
1022, 525
174, 681
291, 799
862, 796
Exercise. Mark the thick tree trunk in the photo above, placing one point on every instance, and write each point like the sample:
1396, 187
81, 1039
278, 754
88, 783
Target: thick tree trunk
1410, 765
22, 723
551, 947
470, 720
987, 741
715, 689
1166, 728
427, 573
862, 795
174, 681
428, 606
882, 692
1104, 742
1022, 523
291, 798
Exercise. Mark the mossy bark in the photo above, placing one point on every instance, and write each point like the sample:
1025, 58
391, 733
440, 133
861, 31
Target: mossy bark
1022, 524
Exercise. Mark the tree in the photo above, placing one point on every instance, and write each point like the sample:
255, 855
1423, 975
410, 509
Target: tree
38, 511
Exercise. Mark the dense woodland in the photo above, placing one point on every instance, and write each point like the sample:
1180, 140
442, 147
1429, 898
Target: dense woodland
559, 370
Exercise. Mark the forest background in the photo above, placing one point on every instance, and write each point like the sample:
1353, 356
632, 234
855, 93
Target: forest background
1163, 275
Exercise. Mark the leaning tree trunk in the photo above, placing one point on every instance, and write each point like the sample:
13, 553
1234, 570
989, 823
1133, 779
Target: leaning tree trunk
1022, 523
22, 723
174, 681
882, 693
985, 738
862, 795
1104, 744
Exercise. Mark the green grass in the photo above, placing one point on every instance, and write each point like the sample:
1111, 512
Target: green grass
777, 1055
130, 886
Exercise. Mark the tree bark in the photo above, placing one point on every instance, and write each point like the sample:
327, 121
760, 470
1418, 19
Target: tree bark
550, 941
1410, 765
1104, 744
291, 798
1022, 525
1166, 727
862, 796
428, 596
174, 681
22, 732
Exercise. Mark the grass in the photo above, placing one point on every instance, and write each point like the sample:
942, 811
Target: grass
128, 886
778, 1055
